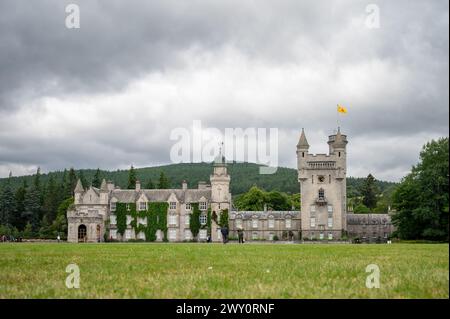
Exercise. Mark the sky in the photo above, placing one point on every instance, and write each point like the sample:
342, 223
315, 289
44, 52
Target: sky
110, 93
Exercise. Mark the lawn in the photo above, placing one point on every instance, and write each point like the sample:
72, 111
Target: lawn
140, 270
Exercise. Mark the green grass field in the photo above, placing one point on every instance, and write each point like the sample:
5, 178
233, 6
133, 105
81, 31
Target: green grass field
223, 271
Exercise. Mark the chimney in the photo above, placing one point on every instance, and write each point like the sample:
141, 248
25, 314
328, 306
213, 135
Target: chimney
138, 186
184, 185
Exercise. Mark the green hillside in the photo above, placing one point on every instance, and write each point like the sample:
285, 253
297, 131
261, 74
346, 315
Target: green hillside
243, 176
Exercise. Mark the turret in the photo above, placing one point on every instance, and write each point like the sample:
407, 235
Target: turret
78, 191
302, 153
104, 192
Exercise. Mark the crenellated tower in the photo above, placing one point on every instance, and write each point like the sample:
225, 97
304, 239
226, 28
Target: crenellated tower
322, 179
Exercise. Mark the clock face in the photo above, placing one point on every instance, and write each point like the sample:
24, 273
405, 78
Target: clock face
321, 179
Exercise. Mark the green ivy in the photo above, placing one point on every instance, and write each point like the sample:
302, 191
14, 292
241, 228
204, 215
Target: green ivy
121, 216
223, 220
194, 223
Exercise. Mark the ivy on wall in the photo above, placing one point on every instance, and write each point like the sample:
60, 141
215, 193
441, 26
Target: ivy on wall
194, 222
223, 219
156, 215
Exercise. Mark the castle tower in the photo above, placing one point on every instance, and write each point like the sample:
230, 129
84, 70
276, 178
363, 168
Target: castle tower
220, 192
322, 179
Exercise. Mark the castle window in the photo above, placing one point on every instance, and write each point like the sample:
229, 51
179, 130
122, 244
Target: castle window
312, 179
128, 234
288, 222
330, 209
188, 206
321, 194
187, 234
203, 219
330, 222
142, 206
172, 234
255, 223
313, 210
172, 219
173, 205
203, 205
271, 222
330, 236
329, 179
112, 206
112, 220
303, 154
187, 219
255, 236
313, 222
321, 236
129, 219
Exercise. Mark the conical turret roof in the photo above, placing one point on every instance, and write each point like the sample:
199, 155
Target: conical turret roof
103, 186
339, 141
302, 142
79, 187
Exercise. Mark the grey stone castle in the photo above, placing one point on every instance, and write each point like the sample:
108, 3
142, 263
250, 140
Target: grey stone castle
323, 214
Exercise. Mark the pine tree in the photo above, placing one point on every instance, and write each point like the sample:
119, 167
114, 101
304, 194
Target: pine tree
163, 181
70, 183
51, 200
19, 196
7, 203
96, 181
149, 184
32, 211
132, 178
83, 180
369, 192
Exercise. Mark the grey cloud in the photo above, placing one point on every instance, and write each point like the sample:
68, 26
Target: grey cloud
404, 94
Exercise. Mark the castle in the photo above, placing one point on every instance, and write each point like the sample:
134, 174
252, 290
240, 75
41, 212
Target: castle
323, 214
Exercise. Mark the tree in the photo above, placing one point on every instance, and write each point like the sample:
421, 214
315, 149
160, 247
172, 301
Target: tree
369, 192
149, 184
278, 201
163, 181
361, 209
19, 198
132, 178
32, 211
83, 180
51, 199
422, 199
253, 200
7, 203
97, 180
70, 183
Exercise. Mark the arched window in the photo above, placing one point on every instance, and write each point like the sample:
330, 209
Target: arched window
321, 194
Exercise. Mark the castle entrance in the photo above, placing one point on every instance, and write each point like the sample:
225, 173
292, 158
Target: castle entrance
82, 233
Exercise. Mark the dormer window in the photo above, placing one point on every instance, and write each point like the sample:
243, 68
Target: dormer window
142, 206
173, 205
188, 206
113, 206
203, 205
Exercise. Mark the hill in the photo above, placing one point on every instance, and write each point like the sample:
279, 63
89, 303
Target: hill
243, 176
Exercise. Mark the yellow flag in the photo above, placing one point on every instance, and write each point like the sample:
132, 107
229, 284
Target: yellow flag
341, 109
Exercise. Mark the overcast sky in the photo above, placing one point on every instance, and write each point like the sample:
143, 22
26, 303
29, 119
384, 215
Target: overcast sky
109, 93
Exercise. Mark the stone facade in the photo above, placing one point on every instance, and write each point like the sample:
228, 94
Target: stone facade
322, 179
323, 214
94, 209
